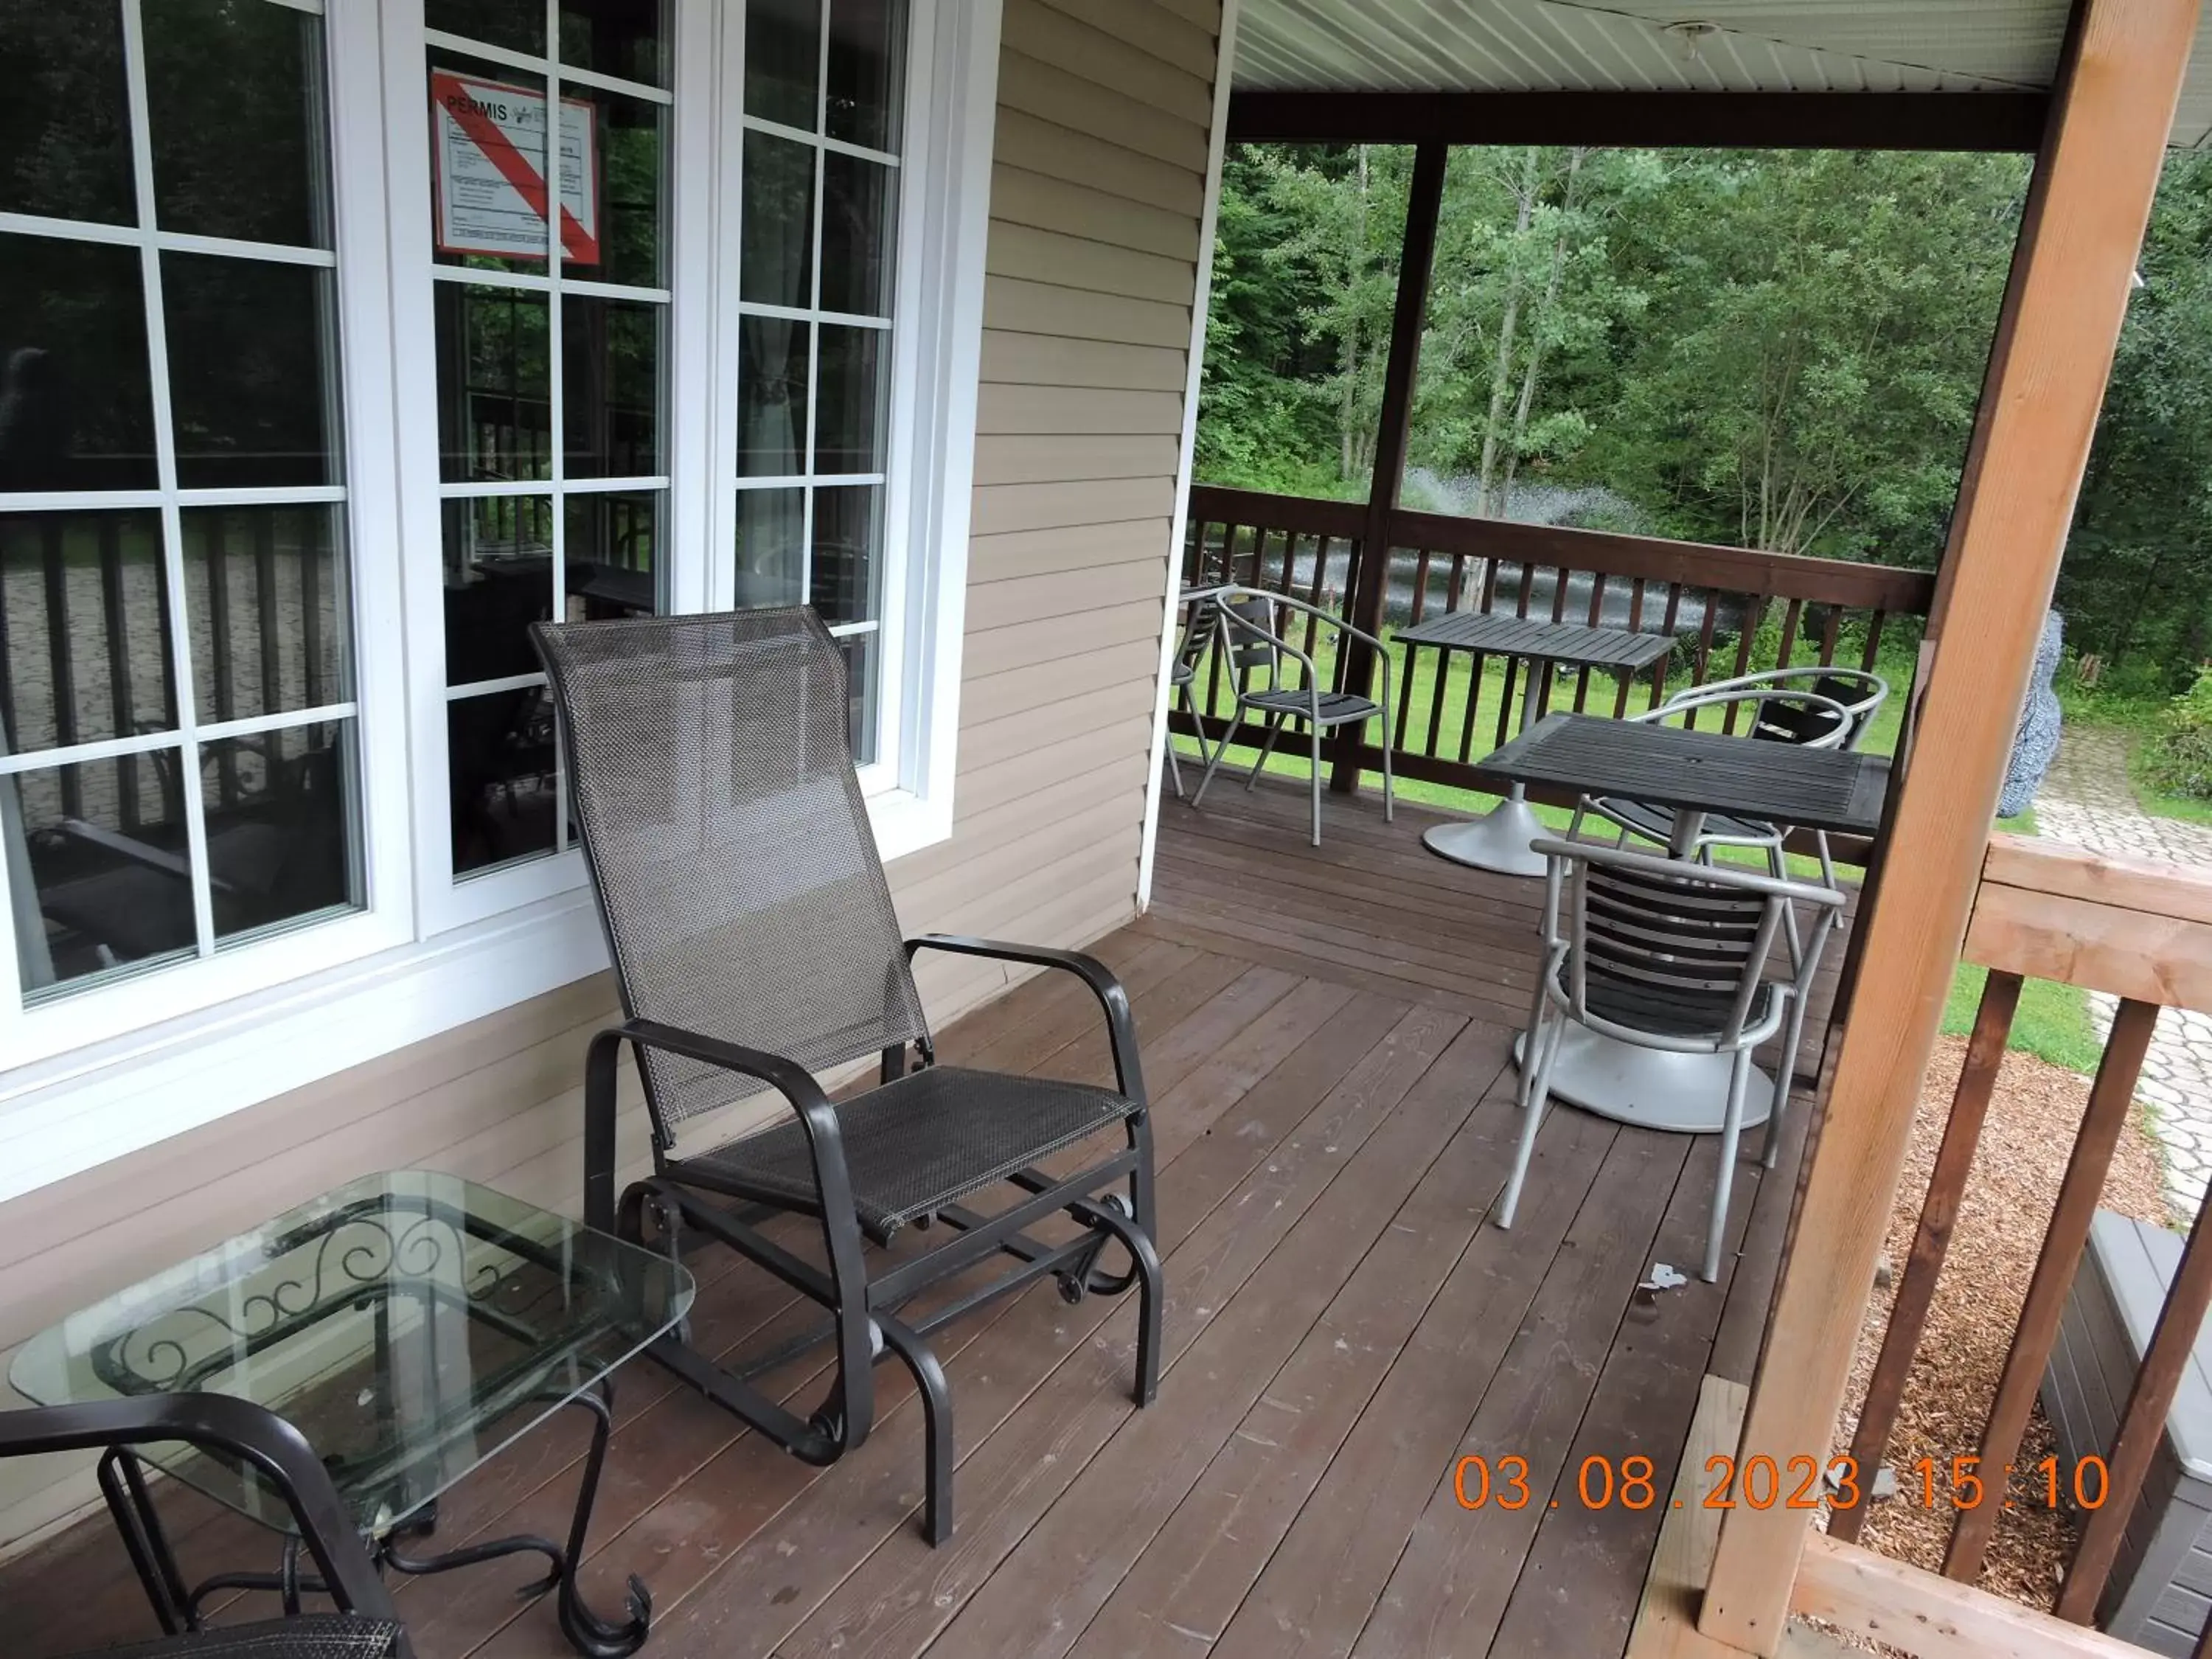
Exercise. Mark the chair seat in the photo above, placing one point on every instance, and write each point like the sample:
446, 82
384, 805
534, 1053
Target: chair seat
1337, 707
1683, 1013
1657, 822
313, 1636
919, 1143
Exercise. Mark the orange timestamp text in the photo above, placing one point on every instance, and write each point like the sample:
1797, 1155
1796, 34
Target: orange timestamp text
1761, 1482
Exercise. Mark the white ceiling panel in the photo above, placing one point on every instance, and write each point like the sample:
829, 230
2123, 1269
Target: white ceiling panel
1735, 46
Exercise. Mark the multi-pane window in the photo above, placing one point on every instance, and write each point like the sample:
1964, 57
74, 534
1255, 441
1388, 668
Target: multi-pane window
549, 135
177, 769
819, 192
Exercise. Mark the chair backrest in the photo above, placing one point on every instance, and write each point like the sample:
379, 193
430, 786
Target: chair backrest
1201, 624
1769, 714
712, 774
1251, 636
1665, 947
1858, 691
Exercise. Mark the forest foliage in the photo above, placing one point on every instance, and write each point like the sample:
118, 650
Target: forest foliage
1774, 349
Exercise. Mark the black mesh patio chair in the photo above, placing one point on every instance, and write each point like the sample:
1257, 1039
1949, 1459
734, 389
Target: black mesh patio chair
757, 949
365, 1625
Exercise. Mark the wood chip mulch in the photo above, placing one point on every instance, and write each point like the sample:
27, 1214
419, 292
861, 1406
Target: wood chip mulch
2025, 1144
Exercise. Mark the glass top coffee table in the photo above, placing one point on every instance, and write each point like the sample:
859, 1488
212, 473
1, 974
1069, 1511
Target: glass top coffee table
410, 1325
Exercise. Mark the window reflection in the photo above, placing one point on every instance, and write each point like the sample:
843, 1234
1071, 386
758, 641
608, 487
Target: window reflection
867, 43
84, 627
249, 342
771, 547
611, 387
783, 59
264, 607
76, 402
772, 397
495, 420
499, 580
280, 828
626, 39
503, 782
65, 134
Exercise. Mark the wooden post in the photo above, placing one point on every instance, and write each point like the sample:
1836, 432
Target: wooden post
2093, 185
1371, 569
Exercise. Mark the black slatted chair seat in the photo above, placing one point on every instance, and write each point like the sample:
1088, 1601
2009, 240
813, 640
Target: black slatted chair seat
1657, 822
1674, 1011
313, 1636
1337, 707
921, 1142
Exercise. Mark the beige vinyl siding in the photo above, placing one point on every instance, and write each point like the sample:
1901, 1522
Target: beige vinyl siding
1091, 266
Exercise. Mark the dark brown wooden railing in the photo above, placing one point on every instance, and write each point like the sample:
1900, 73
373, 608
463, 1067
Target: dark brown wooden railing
2141, 931
1717, 601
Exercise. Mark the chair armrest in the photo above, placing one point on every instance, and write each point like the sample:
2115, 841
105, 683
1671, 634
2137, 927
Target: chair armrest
824, 1139
235, 1428
1113, 996
129, 847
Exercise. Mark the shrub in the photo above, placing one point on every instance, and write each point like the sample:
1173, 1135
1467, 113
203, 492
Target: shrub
2179, 758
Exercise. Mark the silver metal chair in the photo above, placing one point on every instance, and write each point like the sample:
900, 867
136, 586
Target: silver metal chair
1201, 631
1255, 650
1667, 954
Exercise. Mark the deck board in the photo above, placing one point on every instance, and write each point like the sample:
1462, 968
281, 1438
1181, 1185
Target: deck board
1326, 1038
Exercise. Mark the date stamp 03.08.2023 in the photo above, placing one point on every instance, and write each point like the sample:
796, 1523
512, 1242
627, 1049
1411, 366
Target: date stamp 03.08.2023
1797, 1483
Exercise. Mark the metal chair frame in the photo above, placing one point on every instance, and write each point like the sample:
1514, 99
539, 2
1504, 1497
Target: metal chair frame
1667, 952
244, 1433
866, 1299
1201, 630
1251, 648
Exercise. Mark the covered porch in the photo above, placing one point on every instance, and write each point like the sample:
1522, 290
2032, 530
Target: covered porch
1334, 1108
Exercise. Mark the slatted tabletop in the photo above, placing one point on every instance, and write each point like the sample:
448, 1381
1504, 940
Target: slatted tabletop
1700, 771
1545, 641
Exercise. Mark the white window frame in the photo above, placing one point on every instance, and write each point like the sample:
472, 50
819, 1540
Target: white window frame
92, 1077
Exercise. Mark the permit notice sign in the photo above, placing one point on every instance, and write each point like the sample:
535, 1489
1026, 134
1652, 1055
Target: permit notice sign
488, 158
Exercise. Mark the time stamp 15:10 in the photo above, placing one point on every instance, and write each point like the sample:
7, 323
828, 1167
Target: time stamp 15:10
1796, 1483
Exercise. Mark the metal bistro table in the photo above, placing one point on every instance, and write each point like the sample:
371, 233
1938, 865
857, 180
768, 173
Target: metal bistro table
1696, 773
411, 1325
1499, 841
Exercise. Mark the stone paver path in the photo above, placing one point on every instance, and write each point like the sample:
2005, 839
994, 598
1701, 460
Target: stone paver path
2087, 799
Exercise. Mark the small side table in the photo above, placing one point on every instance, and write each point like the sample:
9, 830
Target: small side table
1499, 839
411, 1326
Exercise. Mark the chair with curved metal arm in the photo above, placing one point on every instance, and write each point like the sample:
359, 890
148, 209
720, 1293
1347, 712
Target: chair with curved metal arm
365, 1625
1201, 631
1254, 649
1666, 954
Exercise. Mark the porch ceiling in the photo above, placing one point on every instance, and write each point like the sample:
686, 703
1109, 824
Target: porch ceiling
1627, 45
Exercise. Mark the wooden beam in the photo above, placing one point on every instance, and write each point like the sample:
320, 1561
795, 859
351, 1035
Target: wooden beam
1757, 120
2150, 886
1932, 1617
2098, 169
1371, 572
1666, 1616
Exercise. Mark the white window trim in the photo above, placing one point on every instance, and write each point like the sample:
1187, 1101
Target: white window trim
123, 1068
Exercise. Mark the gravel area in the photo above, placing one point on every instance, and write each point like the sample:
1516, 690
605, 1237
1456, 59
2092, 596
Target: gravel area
2025, 1144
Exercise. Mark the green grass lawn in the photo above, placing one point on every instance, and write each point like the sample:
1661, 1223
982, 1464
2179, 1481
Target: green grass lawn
2053, 1019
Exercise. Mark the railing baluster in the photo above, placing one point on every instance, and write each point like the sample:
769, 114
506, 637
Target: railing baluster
213, 526
123, 706
1705, 645
1873, 652
2110, 1097
1746, 636
1442, 677
55, 549
1790, 631
1666, 626
1596, 615
1458, 589
1420, 585
311, 634
1831, 626
1558, 594
1406, 694
264, 606
1939, 1212
9, 735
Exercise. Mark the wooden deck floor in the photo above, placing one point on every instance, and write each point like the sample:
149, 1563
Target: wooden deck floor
1326, 1039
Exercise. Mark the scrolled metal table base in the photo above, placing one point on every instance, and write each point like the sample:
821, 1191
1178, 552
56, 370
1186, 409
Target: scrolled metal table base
123, 1483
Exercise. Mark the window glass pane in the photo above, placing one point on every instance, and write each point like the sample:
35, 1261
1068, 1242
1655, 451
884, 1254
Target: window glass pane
860, 691
110, 886
867, 73
64, 138
488, 164
517, 25
611, 554
848, 531
628, 39
280, 826
783, 60
499, 758
249, 343
611, 387
860, 227
499, 580
493, 415
76, 402
776, 262
849, 418
84, 629
771, 547
251, 167
630, 134
771, 397
265, 599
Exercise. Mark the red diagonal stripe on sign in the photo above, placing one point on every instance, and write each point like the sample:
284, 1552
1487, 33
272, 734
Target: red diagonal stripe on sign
513, 166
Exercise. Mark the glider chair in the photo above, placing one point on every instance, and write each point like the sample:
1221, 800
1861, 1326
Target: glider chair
1670, 955
364, 1626
757, 950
